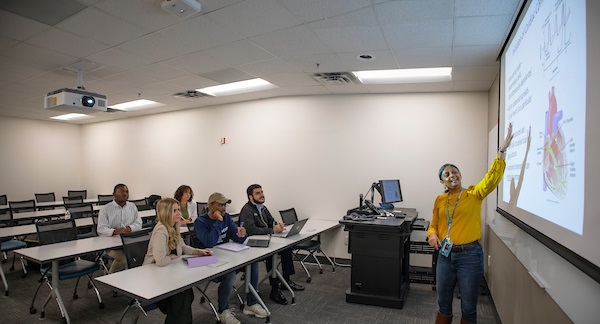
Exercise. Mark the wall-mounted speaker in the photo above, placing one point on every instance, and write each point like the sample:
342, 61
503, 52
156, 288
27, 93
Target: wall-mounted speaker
181, 8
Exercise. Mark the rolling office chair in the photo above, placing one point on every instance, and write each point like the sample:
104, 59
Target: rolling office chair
72, 200
81, 211
135, 246
22, 207
7, 245
289, 216
45, 197
141, 204
3, 200
62, 231
77, 193
104, 199
201, 207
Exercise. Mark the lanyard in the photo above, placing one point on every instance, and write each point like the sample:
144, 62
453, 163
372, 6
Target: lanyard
448, 216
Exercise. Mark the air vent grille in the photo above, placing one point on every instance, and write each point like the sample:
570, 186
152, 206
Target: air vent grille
191, 94
335, 78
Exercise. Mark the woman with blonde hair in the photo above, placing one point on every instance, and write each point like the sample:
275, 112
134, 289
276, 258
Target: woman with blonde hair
165, 246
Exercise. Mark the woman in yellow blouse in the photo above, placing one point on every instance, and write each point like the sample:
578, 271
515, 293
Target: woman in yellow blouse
455, 230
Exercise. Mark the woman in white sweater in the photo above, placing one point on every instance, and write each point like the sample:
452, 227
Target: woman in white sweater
165, 246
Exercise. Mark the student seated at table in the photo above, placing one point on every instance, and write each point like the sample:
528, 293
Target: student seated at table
216, 227
116, 217
185, 195
165, 246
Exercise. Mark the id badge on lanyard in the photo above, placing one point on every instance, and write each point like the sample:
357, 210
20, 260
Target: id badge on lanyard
447, 242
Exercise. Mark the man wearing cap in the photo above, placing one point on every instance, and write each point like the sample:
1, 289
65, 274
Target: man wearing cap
216, 227
258, 221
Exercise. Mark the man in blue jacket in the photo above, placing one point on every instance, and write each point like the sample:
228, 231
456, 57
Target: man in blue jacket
216, 227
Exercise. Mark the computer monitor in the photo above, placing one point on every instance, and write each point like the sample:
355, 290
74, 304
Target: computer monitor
390, 191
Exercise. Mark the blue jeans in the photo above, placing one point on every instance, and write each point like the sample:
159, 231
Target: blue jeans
228, 280
466, 268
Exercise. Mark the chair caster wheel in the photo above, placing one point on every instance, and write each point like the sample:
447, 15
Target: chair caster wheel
43, 315
333, 270
6, 293
63, 320
101, 305
308, 280
202, 300
321, 271
75, 296
24, 275
90, 285
241, 307
11, 268
32, 310
115, 294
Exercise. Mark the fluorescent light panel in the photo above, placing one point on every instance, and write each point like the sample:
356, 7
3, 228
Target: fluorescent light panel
239, 87
404, 75
72, 116
136, 105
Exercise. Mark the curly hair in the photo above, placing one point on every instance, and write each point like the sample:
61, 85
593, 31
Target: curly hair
181, 190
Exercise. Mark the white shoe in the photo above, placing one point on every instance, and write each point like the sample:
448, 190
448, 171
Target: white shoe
227, 317
256, 310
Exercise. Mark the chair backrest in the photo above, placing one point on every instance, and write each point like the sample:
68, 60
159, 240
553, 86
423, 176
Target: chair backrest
77, 193
3, 200
104, 199
152, 200
135, 246
5, 217
56, 231
45, 197
235, 218
288, 216
141, 204
73, 200
80, 210
201, 207
22, 206
193, 240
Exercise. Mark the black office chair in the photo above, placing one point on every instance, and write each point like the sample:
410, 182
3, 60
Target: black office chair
9, 245
45, 197
77, 193
5, 217
141, 204
62, 231
3, 200
135, 247
81, 211
289, 217
104, 199
22, 207
72, 200
201, 207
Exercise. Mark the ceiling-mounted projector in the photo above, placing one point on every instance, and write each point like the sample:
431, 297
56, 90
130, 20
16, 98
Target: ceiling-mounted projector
181, 8
75, 101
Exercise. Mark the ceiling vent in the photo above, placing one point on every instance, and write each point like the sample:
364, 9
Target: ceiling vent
191, 94
335, 78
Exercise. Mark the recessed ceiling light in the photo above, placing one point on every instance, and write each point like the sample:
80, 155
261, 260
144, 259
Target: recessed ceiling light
136, 105
72, 116
404, 75
239, 87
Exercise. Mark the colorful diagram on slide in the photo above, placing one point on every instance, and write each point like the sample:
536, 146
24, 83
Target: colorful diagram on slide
555, 159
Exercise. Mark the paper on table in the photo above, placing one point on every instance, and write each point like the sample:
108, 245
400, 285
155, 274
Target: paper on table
231, 246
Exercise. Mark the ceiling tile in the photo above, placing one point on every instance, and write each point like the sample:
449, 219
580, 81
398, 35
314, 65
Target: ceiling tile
113, 31
198, 63
64, 42
474, 55
237, 53
257, 17
227, 75
46, 12
434, 33
481, 30
18, 27
419, 57
198, 34
316, 63
119, 58
464, 8
147, 14
381, 60
312, 10
268, 67
39, 56
6, 43
291, 41
401, 12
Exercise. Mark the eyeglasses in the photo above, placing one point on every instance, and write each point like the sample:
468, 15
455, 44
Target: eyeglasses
222, 205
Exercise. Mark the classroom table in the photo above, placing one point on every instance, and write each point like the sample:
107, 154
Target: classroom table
176, 277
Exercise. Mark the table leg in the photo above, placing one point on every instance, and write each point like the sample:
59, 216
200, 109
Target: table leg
250, 289
56, 292
275, 273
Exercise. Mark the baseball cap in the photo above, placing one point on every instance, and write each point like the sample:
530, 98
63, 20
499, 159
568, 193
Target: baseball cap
218, 197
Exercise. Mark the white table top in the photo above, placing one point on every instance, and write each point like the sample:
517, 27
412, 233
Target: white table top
61, 203
30, 229
61, 211
177, 276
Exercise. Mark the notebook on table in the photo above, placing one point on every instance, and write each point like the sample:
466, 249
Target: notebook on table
292, 229
259, 241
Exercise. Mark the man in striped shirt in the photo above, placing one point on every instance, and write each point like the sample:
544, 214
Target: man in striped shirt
117, 217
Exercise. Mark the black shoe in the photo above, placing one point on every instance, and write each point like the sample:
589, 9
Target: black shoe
278, 297
295, 286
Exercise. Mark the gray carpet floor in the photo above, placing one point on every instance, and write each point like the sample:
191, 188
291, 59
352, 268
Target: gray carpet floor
323, 301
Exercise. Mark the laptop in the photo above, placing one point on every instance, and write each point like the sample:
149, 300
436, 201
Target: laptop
259, 241
292, 229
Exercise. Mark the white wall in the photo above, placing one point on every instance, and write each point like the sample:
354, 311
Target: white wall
38, 157
312, 153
